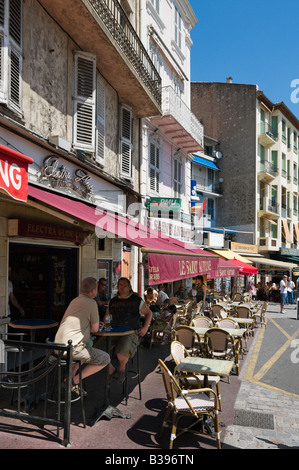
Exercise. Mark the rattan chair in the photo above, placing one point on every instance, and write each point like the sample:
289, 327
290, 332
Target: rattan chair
192, 403
217, 312
220, 345
189, 380
201, 322
187, 336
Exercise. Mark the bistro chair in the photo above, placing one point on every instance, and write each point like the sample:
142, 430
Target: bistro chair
244, 312
260, 312
189, 380
201, 322
220, 345
238, 297
231, 324
187, 336
188, 403
136, 374
17, 352
217, 312
159, 329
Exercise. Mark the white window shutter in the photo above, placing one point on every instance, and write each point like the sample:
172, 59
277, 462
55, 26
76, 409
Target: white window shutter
84, 102
15, 82
126, 143
154, 170
100, 137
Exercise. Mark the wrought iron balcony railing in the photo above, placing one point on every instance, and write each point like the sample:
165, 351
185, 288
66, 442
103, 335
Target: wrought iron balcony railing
122, 31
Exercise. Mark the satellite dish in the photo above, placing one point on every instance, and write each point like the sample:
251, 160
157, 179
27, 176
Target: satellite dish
218, 155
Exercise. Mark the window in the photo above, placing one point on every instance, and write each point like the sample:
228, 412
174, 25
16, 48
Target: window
211, 208
156, 4
283, 130
177, 28
11, 53
126, 142
154, 167
88, 107
177, 177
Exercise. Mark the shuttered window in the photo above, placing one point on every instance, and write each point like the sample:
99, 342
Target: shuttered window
100, 132
84, 102
177, 177
126, 143
11, 53
154, 167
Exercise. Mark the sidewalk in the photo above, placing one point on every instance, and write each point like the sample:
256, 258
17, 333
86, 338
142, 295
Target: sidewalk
273, 425
275, 411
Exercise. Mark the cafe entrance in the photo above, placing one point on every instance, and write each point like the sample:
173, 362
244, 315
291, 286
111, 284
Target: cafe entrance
45, 279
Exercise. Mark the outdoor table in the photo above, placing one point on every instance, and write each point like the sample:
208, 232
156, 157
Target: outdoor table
32, 324
205, 366
108, 410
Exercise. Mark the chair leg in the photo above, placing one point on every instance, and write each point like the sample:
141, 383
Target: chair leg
219, 396
173, 431
137, 375
216, 428
81, 395
164, 424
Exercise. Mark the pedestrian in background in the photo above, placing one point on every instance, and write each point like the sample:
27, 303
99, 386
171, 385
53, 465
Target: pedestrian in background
290, 289
283, 293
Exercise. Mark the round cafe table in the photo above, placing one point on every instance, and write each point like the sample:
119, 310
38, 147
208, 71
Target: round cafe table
108, 410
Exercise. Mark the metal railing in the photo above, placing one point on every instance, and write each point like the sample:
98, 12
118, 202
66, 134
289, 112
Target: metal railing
266, 129
268, 167
172, 104
33, 376
119, 26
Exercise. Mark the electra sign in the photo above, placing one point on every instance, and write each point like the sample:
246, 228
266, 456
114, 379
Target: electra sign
14, 173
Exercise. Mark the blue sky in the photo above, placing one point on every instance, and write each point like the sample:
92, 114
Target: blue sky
253, 41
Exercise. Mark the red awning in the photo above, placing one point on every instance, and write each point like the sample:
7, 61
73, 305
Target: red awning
225, 269
245, 269
14, 173
163, 266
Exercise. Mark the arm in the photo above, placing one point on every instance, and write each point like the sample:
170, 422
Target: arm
204, 288
16, 304
146, 311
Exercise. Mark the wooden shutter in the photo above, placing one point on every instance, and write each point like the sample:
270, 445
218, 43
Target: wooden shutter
154, 170
84, 102
126, 143
100, 140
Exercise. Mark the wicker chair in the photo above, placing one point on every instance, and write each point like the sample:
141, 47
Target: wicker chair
220, 345
193, 404
201, 322
187, 336
189, 380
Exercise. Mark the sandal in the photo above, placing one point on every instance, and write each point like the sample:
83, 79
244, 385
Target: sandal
76, 389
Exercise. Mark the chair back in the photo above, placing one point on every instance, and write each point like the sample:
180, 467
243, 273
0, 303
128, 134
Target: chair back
170, 383
243, 312
217, 311
201, 322
217, 340
178, 352
185, 335
237, 297
227, 323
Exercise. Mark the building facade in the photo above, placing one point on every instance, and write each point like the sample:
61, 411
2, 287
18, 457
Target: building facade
74, 103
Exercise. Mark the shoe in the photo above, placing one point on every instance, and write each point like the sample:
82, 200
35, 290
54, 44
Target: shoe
75, 388
119, 376
283, 311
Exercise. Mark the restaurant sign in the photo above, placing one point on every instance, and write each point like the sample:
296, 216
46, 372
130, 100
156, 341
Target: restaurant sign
163, 205
14, 173
169, 268
24, 228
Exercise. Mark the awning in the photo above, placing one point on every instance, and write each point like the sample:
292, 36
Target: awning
229, 255
14, 173
273, 262
206, 163
286, 231
218, 230
163, 266
245, 269
225, 269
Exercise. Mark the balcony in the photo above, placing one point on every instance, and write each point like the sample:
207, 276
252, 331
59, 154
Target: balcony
179, 123
267, 171
206, 186
266, 244
267, 135
101, 27
268, 208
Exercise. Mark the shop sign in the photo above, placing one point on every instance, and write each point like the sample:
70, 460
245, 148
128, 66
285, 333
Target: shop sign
24, 228
163, 204
289, 251
172, 228
60, 177
14, 173
243, 248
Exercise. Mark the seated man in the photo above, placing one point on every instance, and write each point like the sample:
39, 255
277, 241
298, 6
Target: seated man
81, 318
126, 309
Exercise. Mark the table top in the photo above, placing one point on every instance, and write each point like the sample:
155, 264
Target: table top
205, 366
235, 332
116, 330
33, 323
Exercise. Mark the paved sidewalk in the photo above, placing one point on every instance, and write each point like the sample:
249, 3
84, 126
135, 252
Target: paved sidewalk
275, 411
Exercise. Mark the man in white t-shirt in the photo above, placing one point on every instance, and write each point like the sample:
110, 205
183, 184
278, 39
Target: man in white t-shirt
161, 295
290, 289
283, 293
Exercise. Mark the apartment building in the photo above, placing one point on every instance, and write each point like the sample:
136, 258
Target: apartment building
169, 139
259, 169
76, 81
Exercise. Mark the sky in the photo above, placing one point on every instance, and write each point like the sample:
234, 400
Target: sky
253, 41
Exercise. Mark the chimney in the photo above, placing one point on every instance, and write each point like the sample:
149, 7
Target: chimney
229, 80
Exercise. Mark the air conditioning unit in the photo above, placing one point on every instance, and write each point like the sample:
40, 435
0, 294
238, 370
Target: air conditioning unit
60, 142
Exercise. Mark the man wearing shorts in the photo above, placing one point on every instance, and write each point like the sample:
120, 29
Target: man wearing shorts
126, 309
283, 293
81, 318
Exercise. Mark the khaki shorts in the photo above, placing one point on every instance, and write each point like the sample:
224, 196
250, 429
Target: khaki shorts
124, 345
90, 355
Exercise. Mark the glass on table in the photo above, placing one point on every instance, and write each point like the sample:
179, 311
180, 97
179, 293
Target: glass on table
107, 321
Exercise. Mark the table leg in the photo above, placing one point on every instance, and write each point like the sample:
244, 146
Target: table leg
108, 411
